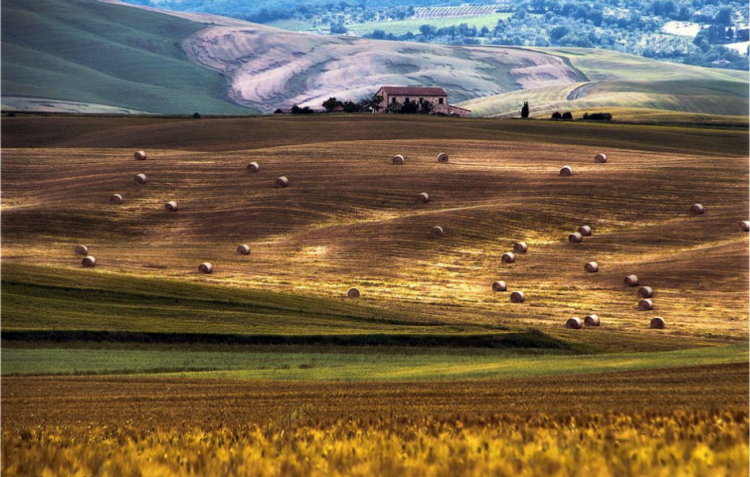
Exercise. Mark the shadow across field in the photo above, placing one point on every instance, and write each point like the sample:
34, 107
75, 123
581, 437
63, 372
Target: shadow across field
528, 339
219, 134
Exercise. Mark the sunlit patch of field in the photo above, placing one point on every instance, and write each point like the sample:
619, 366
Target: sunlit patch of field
238, 372
350, 218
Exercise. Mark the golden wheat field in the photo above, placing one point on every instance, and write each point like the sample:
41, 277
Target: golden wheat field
690, 421
142, 365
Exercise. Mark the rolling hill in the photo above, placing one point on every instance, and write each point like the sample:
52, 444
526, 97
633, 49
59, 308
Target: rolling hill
98, 57
92, 56
350, 218
618, 82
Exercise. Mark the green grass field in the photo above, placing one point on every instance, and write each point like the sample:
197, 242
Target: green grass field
412, 25
92, 52
373, 365
636, 86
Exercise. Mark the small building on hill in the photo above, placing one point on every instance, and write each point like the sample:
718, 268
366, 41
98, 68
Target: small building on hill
438, 97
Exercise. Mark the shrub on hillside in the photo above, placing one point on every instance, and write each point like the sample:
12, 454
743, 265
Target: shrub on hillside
598, 116
297, 110
352, 107
556, 115
331, 103
409, 107
567, 115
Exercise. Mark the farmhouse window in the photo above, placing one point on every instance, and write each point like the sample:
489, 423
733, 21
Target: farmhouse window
393, 100
440, 101
407, 99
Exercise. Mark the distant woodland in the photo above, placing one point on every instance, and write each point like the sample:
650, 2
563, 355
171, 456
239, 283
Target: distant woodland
712, 33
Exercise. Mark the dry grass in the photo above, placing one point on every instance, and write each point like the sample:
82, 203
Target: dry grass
644, 424
349, 218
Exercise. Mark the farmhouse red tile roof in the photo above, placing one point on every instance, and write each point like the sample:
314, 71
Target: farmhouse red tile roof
413, 91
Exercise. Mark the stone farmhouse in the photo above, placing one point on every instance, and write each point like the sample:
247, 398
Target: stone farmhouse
437, 96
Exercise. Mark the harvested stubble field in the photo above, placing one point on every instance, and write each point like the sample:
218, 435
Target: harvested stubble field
350, 218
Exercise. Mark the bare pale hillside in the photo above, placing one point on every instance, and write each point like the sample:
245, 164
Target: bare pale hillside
272, 68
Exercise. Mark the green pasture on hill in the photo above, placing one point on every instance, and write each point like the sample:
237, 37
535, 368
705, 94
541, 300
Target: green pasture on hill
412, 25
332, 365
94, 52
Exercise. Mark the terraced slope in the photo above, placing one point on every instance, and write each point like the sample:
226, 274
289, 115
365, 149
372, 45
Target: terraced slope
98, 57
350, 218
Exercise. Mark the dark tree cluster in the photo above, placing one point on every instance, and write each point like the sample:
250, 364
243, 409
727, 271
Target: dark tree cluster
410, 107
566, 116
597, 116
363, 105
297, 110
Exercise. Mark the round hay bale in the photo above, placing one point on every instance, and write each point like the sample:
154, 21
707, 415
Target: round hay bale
437, 231
517, 297
697, 209
115, 199
243, 249
353, 293
631, 281
499, 286
745, 226
585, 230
646, 304
657, 323
140, 155
508, 257
88, 262
253, 167
82, 250
140, 179
442, 157
205, 267
573, 323
600, 158
575, 237
423, 198
171, 206
592, 320
645, 292
398, 160
566, 171
520, 247
591, 267
282, 182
